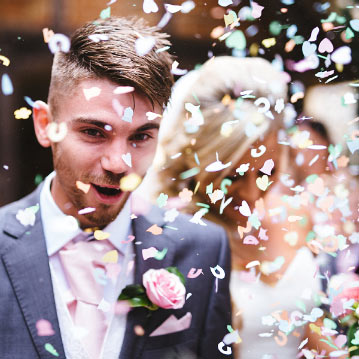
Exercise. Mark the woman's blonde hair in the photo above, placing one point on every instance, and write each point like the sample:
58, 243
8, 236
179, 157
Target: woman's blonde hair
226, 90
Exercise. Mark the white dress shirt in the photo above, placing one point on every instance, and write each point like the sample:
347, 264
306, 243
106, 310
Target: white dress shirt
59, 229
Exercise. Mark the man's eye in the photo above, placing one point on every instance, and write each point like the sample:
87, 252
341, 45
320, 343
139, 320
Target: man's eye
92, 132
140, 137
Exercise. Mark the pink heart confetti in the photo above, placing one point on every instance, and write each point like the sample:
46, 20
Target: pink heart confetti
325, 46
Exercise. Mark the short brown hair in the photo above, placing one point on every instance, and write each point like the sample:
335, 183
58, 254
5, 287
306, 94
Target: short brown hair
115, 59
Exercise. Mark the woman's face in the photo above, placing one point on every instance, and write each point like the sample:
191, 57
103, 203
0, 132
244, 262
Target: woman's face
245, 186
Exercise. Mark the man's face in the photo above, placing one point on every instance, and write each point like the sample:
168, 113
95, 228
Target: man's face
100, 148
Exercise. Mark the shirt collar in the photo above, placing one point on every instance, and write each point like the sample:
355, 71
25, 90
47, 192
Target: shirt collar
60, 228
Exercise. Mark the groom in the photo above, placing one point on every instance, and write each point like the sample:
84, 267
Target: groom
69, 248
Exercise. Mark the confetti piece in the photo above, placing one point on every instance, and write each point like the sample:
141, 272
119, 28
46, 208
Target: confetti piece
250, 240
91, 92
5, 60
268, 267
267, 167
172, 8
354, 24
49, 347
218, 272
155, 230
315, 329
83, 186
22, 113
325, 46
171, 215
59, 42
314, 34
230, 18
263, 234
127, 159
226, 182
27, 216
224, 204
144, 45
236, 40
225, 3
194, 273
162, 200
255, 153
246, 229
127, 115
281, 339
256, 10
308, 49
161, 254
242, 169
342, 55
86, 210
130, 182
217, 166
353, 146
244, 209
105, 13
216, 195
291, 238
152, 116
227, 351
188, 6
44, 328
100, 235
149, 253
263, 182
98, 37
110, 257
120, 90
189, 173
6, 85
269, 42
149, 6
252, 264
47, 34
56, 132
317, 187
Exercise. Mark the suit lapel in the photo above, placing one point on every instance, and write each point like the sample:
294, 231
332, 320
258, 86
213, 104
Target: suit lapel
27, 264
133, 344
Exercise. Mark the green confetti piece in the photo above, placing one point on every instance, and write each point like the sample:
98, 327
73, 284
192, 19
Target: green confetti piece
349, 34
38, 179
254, 221
226, 182
162, 200
275, 28
49, 347
311, 178
199, 204
189, 173
329, 343
301, 305
161, 254
229, 328
310, 236
105, 13
173, 228
236, 40
330, 18
209, 188
330, 324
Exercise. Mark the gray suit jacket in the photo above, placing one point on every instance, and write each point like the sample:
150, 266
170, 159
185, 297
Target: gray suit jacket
26, 292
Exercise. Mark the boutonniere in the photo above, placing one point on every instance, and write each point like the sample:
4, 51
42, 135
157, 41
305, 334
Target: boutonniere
161, 288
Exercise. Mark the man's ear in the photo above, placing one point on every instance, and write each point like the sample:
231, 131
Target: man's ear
41, 116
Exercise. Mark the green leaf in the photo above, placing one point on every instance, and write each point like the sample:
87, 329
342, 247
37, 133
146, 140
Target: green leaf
175, 271
351, 336
131, 291
142, 301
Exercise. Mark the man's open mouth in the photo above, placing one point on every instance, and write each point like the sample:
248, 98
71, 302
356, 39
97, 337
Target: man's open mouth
107, 191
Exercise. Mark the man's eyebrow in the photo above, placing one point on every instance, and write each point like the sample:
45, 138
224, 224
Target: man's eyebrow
88, 121
148, 126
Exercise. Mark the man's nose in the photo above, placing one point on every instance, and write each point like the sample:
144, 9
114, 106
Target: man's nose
114, 160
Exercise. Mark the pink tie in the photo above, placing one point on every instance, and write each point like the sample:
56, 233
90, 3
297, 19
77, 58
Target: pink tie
80, 258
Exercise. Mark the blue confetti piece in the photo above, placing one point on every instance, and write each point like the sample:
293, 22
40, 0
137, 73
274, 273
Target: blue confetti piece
6, 85
30, 102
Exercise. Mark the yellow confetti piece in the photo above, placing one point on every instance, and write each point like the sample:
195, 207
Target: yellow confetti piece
155, 230
269, 42
110, 257
22, 113
315, 329
100, 235
230, 18
253, 49
48, 34
226, 100
56, 131
83, 186
5, 60
130, 182
263, 182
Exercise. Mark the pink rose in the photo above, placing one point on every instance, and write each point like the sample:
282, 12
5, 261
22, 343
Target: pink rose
164, 289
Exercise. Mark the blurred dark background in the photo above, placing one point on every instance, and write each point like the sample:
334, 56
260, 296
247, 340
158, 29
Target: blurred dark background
23, 162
